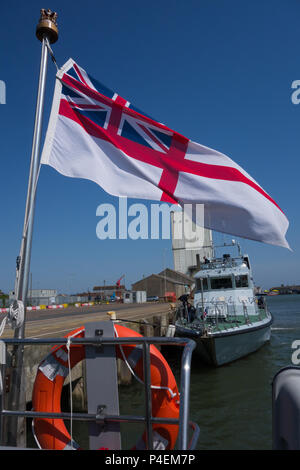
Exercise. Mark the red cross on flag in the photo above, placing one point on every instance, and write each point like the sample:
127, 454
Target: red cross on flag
96, 134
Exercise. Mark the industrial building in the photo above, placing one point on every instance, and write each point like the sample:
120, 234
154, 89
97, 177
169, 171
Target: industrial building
111, 293
167, 281
136, 297
38, 296
188, 246
107, 292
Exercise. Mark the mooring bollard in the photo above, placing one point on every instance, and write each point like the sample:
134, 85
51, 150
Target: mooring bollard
112, 315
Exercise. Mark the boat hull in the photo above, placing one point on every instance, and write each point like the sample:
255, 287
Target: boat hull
227, 346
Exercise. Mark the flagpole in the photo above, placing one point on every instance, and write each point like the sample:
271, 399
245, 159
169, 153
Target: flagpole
46, 31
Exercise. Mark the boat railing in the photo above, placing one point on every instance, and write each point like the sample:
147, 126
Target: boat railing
188, 431
216, 312
219, 263
245, 312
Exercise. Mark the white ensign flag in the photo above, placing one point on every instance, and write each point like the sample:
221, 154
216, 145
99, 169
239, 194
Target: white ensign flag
96, 134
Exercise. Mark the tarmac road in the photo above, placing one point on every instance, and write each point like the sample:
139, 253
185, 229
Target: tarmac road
58, 322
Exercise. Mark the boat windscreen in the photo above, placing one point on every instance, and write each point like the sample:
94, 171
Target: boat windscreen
221, 283
204, 284
241, 281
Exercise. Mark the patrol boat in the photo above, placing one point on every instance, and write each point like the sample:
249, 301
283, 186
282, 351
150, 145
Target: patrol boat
228, 320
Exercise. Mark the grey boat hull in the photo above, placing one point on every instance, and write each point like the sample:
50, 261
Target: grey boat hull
221, 348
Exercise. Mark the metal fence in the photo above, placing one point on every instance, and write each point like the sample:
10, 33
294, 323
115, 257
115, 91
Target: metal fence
183, 441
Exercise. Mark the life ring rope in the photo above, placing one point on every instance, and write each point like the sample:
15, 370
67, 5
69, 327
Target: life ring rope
68, 346
72, 445
157, 387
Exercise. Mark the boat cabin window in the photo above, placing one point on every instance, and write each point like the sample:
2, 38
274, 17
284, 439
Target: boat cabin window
221, 282
241, 281
204, 282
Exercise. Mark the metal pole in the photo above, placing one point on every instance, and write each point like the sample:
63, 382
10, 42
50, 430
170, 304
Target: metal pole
35, 161
46, 30
148, 396
185, 394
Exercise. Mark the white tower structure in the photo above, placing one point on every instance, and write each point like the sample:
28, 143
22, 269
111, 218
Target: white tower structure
189, 243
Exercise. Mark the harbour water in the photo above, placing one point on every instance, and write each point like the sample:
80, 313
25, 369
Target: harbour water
232, 404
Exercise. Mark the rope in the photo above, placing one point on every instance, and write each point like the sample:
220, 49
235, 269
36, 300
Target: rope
138, 322
39, 168
3, 324
34, 193
34, 435
157, 387
14, 317
51, 53
70, 389
68, 346
25, 229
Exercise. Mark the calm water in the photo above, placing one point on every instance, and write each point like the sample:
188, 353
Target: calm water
233, 404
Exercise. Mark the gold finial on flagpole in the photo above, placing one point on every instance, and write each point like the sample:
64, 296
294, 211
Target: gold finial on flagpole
47, 26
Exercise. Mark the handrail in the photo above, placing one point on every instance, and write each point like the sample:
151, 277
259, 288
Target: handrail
106, 419
183, 421
218, 310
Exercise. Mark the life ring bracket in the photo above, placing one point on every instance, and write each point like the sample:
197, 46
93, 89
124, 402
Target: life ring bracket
162, 423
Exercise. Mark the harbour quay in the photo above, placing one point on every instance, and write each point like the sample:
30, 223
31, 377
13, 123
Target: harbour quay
148, 319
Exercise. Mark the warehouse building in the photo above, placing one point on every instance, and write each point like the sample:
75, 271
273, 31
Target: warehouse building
107, 292
38, 296
167, 281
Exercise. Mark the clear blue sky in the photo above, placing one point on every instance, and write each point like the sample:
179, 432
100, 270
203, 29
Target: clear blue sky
217, 71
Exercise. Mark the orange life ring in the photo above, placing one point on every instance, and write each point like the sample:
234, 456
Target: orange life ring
52, 371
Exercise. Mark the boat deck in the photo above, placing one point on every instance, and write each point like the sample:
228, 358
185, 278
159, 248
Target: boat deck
222, 324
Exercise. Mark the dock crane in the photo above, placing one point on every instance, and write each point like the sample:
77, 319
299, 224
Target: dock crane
119, 280
118, 283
